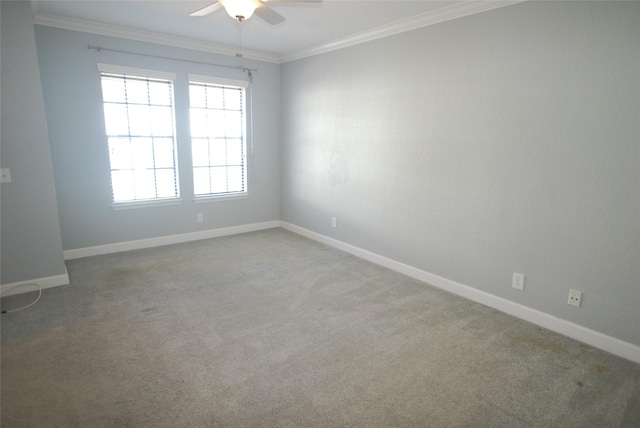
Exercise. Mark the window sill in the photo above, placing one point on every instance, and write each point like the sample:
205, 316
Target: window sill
117, 206
219, 198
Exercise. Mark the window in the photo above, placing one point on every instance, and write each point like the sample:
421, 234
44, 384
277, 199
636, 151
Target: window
218, 136
139, 122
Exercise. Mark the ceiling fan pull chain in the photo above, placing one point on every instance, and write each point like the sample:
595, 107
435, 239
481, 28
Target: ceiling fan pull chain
239, 20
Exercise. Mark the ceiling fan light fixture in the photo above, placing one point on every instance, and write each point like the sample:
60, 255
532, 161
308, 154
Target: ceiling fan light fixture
240, 9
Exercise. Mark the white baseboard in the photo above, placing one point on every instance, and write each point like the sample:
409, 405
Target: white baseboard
167, 240
26, 286
591, 337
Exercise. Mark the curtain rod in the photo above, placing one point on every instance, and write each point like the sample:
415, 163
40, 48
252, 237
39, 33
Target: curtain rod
237, 67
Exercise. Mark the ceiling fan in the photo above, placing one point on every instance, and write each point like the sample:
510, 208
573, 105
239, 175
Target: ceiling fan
243, 9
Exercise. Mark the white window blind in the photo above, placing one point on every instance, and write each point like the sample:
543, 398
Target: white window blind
218, 136
139, 121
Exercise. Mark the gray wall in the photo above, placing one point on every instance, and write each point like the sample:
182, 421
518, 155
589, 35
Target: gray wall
30, 228
502, 142
72, 94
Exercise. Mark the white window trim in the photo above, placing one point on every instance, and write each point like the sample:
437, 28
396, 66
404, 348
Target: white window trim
146, 203
136, 72
244, 84
200, 78
219, 198
149, 74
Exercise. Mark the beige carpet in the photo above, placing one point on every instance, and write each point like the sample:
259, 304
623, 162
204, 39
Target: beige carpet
269, 329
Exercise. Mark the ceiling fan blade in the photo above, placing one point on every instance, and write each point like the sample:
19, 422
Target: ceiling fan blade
207, 9
269, 15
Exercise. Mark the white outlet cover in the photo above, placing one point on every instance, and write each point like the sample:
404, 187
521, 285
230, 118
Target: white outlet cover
575, 297
518, 281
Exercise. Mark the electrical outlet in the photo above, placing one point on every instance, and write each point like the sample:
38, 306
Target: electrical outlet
575, 297
518, 281
200, 218
334, 222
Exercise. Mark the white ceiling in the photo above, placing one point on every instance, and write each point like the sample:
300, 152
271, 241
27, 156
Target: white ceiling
309, 27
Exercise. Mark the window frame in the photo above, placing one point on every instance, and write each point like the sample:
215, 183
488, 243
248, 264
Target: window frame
244, 85
139, 73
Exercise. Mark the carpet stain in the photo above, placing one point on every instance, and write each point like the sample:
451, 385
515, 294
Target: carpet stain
122, 274
537, 343
600, 369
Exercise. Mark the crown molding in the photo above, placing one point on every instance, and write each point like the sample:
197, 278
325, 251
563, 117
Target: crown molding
147, 36
455, 11
433, 17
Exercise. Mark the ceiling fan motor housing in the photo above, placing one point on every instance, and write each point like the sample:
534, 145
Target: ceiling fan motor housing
240, 9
